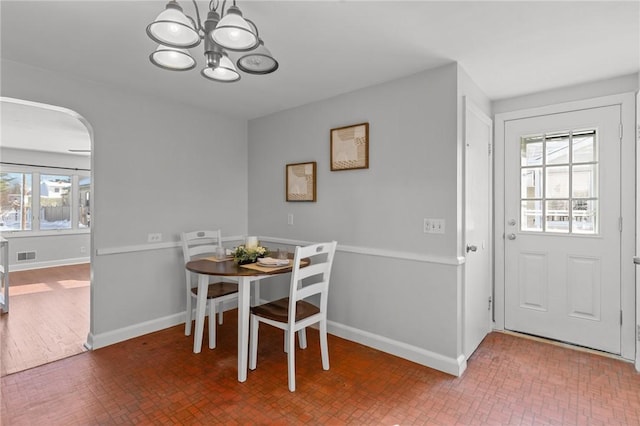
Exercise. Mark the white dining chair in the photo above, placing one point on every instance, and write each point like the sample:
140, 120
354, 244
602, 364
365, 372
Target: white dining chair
293, 314
199, 244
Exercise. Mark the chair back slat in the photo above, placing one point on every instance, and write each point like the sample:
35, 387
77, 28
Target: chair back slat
201, 250
311, 290
196, 243
312, 270
321, 257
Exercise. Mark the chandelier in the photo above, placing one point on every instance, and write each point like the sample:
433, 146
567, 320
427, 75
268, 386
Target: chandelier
175, 32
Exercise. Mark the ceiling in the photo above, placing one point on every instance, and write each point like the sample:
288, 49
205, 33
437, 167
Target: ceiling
39, 127
325, 48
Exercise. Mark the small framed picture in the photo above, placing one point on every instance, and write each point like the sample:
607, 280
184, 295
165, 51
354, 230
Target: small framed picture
350, 147
301, 181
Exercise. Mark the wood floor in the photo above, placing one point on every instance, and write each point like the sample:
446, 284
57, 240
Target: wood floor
156, 379
48, 317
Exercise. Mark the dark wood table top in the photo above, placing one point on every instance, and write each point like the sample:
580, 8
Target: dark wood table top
231, 269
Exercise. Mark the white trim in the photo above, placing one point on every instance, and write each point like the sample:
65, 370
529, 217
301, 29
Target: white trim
10, 234
453, 366
48, 264
456, 261
149, 247
603, 101
136, 248
628, 170
418, 257
100, 340
637, 222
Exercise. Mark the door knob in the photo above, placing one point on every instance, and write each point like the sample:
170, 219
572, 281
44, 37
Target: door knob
511, 236
471, 248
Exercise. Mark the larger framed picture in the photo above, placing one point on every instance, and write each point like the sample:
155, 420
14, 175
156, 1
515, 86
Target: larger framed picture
301, 181
350, 147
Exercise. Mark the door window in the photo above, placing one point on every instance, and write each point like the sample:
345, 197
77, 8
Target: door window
559, 183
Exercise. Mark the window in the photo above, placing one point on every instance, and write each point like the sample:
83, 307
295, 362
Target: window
84, 212
15, 201
59, 202
55, 202
559, 183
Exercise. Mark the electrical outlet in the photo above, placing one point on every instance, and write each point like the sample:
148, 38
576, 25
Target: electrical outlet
290, 219
154, 238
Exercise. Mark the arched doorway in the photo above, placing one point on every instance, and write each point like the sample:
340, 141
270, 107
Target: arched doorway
46, 192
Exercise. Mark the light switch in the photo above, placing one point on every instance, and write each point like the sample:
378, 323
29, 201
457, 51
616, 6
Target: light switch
434, 226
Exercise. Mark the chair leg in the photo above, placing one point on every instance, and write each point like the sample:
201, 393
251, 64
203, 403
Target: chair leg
253, 342
291, 359
302, 338
212, 324
324, 347
188, 316
220, 312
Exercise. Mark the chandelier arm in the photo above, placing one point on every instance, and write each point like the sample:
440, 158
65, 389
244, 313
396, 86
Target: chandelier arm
197, 25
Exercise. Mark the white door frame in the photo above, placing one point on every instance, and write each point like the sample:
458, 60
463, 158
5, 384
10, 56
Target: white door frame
628, 185
637, 225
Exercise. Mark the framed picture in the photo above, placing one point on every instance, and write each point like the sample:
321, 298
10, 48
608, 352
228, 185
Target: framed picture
301, 181
350, 147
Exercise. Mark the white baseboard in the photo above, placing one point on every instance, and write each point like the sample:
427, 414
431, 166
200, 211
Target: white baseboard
421, 356
48, 264
100, 340
96, 341
418, 355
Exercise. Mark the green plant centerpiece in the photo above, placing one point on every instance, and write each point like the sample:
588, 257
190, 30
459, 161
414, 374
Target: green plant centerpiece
243, 254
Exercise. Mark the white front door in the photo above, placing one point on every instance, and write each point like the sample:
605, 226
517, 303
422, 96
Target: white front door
562, 230
478, 201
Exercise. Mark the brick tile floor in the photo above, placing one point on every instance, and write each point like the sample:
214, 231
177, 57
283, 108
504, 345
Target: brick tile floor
156, 379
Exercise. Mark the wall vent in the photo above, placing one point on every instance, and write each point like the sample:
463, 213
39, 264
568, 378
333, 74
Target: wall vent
26, 255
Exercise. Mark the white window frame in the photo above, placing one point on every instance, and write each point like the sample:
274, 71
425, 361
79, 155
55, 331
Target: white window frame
35, 172
570, 164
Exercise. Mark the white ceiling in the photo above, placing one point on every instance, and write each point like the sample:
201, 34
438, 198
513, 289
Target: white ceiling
325, 48
39, 127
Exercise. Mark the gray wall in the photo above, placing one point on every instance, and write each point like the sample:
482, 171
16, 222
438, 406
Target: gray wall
595, 89
157, 167
411, 175
393, 286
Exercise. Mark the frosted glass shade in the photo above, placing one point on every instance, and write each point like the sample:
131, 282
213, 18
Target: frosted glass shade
224, 72
173, 28
233, 32
258, 61
173, 59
